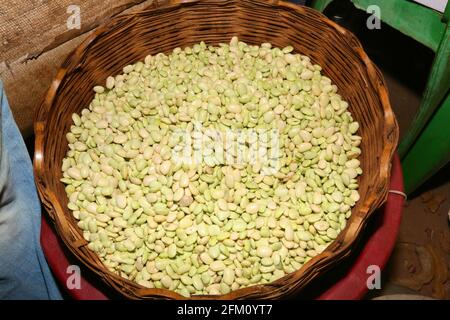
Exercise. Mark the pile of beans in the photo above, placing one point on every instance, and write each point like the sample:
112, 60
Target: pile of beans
273, 182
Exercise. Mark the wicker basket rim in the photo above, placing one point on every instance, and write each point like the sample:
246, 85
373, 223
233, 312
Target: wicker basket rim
390, 139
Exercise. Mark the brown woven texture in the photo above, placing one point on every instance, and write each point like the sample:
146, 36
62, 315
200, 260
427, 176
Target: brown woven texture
129, 38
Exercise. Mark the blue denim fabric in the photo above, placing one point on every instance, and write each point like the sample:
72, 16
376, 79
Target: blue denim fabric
24, 273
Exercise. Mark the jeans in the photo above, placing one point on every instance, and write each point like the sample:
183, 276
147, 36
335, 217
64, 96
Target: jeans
24, 273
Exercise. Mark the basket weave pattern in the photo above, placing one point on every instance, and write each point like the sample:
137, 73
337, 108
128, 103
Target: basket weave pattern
129, 38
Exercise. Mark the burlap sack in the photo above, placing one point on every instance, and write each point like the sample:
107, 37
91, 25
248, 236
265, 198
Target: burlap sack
35, 38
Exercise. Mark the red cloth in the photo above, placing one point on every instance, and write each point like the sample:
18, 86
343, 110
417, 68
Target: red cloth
350, 285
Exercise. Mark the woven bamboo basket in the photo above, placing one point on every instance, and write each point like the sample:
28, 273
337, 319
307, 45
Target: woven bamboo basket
129, 38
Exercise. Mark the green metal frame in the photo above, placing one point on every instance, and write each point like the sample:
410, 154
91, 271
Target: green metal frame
430, 152
320, 5
421, 23
431, 29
